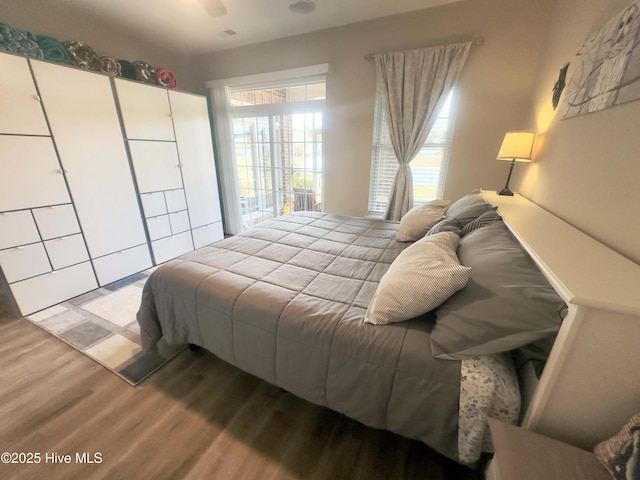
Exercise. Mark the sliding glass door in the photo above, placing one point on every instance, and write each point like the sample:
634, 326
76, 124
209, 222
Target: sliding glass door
278, 149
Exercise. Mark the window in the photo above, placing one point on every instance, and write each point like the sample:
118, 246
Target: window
277, 133
428, 168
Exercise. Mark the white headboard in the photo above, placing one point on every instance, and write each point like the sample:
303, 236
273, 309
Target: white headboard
591, 383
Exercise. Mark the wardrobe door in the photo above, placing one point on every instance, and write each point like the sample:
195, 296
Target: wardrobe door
31, 175
156, 165
193, 136
145, 111
42, 257
18, 95
17, 228
40, 292
86, 129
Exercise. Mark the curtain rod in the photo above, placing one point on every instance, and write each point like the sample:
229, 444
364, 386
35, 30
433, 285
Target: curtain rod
476, 42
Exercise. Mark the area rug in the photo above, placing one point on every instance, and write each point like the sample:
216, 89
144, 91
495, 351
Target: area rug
102, 325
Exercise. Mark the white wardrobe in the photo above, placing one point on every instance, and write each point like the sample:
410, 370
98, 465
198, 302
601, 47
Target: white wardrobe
100, 178
169, 141
83, 120
43, 253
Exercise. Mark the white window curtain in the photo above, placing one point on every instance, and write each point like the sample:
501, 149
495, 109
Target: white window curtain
228, 173
414, 85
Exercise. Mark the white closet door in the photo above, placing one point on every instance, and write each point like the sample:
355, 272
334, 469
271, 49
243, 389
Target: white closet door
167, 248
24, 261
207, 235
153, 204
156, 165
120, 264
66, 251
17, 228
84, 123
31, 175
159, 227
179, 222
145, 111
18, 97
56, 221
43, 291
175, 200
193, 135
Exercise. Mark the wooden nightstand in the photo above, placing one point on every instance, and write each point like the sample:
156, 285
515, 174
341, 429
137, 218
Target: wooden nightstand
525, 455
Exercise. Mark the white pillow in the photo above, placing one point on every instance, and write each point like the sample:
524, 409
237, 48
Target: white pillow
421, 278
417, 221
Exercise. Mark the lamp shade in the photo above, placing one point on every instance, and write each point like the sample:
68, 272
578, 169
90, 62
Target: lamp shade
517, 146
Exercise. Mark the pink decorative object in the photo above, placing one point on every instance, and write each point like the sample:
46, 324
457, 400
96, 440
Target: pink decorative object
166, 78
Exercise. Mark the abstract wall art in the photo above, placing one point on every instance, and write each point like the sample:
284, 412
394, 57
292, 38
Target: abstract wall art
606, 70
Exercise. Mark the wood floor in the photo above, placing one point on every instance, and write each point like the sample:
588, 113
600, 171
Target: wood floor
196, 418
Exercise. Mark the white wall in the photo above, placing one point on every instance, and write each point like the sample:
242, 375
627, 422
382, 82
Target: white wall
494, 90
587, 168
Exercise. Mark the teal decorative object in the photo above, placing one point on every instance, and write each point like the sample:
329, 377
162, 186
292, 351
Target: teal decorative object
53, 50
19, 41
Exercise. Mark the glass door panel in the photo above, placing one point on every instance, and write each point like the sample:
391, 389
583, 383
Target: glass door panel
279, 159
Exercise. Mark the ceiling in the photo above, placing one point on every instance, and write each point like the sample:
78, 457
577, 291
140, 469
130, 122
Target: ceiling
184, 25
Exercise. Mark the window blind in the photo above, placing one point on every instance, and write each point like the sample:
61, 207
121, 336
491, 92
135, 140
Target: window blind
428, 167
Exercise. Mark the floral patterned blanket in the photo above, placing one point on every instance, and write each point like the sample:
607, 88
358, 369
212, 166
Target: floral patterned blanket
488, 388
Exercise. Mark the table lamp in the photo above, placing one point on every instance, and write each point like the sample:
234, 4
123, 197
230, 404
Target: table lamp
516, 147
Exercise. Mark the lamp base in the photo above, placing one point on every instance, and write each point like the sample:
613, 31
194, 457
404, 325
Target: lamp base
506, 191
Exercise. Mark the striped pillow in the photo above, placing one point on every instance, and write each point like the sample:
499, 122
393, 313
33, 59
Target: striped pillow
422, 277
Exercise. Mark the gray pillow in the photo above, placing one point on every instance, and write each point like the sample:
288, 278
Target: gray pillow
472, 212
446, 225
463, 203
506, 304
483, 220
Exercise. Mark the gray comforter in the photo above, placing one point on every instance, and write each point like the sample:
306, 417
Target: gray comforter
285, 301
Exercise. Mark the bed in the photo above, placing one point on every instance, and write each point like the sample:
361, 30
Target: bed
296, 301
